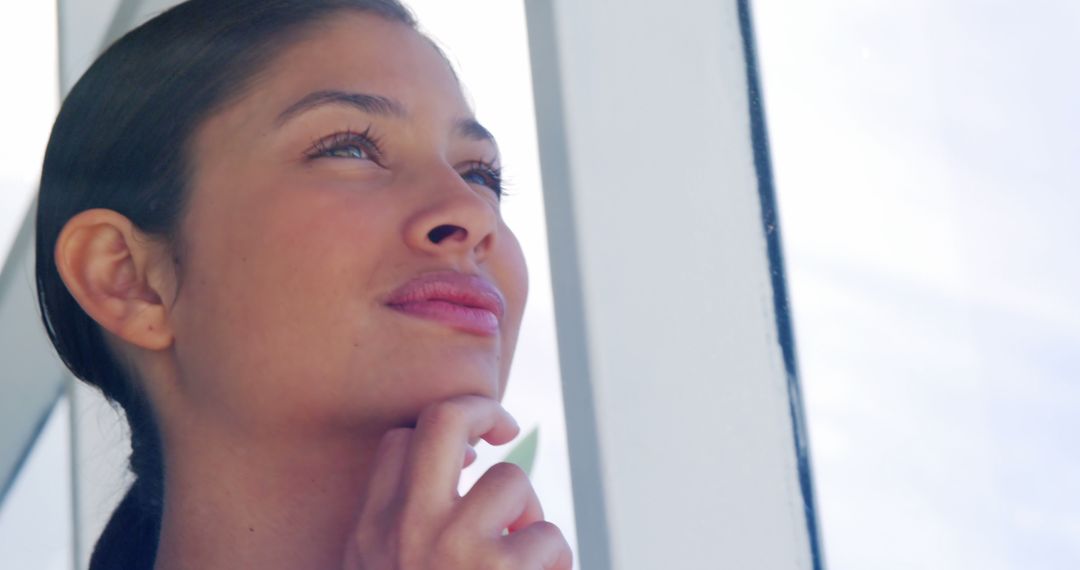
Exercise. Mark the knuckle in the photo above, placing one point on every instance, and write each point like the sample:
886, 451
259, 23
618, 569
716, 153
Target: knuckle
508, 473
444, 414
499, 559
362, 542
548, 531
398, 433
411, 511
395, 437
401, 545
451, 550
373, 544
396, 543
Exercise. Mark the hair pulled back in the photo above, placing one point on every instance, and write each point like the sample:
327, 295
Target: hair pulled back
121, 142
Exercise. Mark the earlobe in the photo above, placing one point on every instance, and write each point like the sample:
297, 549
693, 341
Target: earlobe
106, 264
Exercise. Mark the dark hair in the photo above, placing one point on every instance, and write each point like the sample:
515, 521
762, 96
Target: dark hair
121, 142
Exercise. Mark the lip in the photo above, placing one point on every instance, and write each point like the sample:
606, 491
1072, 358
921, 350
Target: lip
467, 303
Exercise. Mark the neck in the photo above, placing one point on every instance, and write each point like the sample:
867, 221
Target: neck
270, 502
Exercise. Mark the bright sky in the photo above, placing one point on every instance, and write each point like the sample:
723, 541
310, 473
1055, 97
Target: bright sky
926, 163
926, 157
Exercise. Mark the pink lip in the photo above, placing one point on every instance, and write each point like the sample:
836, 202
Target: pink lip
467, 303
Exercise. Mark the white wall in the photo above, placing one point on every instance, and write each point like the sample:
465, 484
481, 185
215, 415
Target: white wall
678, 404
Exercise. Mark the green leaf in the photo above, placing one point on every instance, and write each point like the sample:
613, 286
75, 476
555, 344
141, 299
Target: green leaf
524, 453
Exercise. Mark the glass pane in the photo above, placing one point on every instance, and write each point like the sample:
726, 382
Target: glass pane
926, 163
29, 102
35, 517
35, 513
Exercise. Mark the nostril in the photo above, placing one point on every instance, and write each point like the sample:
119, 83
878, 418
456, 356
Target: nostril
444, 231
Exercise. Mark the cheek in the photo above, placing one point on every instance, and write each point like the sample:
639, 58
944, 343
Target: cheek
514, 280
275, 297
289, 255
514, 271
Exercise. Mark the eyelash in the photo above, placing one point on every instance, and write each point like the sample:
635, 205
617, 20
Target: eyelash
368, 144
492, 176
365, 141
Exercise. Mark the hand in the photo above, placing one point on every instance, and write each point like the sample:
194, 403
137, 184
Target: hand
414, 519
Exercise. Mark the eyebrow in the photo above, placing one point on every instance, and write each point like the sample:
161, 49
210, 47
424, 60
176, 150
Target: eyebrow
472, 129
468, 127
373, 104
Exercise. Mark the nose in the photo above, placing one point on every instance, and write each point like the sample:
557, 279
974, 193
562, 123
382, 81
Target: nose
453, 220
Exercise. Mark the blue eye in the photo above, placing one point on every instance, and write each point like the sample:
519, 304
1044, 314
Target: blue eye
347, 144
346, 151
485, 175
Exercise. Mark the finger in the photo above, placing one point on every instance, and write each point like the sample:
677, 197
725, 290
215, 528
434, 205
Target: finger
386, 475
470, 456
503, 498
539, 545
433, 464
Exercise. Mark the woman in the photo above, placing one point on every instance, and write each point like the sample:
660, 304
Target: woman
270, 231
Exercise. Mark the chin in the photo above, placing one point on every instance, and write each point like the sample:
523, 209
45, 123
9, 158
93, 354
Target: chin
419, 385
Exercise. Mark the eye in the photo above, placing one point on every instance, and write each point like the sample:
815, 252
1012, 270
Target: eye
347, 144
483, 174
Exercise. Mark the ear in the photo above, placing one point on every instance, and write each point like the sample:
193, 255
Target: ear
118, 276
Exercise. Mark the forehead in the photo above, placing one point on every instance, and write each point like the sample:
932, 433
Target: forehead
359, 52
354, 52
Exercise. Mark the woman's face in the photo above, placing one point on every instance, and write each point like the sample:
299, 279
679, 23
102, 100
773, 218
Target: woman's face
344, 262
